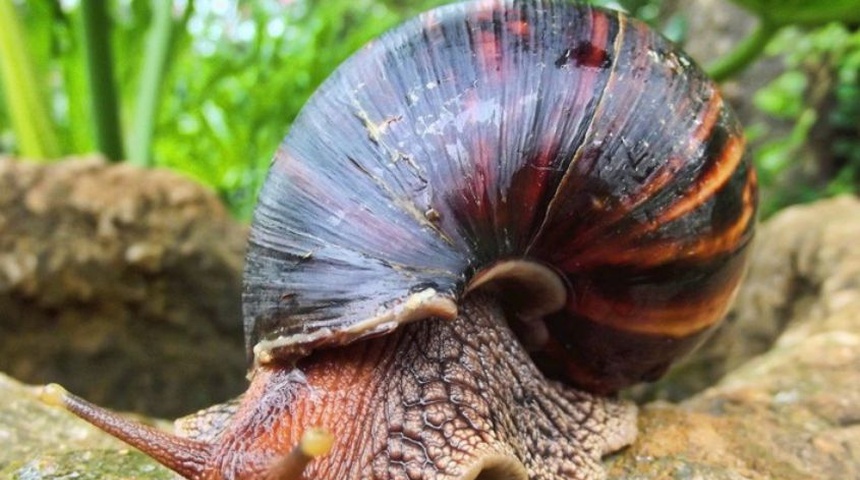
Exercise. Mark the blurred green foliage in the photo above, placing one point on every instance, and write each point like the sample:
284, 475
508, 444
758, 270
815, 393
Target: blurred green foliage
210, 87
803, 12
773, 15
818, 99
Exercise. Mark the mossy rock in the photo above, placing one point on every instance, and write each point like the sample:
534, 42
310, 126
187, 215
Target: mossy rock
88, 465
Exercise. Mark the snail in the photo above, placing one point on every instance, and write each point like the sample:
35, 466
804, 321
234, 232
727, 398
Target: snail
478, 230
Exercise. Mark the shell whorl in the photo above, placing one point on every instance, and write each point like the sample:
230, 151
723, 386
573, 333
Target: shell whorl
569, 136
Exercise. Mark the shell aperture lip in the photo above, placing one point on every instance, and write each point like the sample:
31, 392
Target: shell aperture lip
427, 303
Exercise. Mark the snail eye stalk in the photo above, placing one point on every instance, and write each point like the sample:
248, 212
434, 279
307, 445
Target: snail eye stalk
315, 442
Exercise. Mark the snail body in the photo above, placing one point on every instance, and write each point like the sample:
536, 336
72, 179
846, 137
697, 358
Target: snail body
489, 179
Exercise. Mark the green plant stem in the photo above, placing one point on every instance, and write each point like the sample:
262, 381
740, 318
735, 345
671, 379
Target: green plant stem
99, 60
744, 53
155, 62
31, 120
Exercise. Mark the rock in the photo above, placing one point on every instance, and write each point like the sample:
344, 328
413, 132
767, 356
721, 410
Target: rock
805, 270
90, 465
122, 284
792, 413
37, 441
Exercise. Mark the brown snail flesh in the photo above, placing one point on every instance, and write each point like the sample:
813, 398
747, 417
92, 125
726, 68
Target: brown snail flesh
481, 227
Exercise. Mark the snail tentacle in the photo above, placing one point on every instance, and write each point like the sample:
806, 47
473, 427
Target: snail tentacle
315, 442
190, 458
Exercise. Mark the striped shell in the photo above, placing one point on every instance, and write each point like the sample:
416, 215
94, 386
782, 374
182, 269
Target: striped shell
523, 133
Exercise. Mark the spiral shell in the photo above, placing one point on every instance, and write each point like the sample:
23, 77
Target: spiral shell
540, 136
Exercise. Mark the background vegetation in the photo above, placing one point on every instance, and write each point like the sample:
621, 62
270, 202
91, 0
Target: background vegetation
210, 87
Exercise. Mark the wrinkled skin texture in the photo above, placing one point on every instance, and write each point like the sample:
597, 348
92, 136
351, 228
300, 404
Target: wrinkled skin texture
435, 400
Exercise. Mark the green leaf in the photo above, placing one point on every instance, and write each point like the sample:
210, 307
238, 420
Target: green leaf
783, 97
160, 42
101, 82
27, 105
804, 12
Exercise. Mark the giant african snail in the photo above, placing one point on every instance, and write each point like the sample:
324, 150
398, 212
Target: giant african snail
481, 216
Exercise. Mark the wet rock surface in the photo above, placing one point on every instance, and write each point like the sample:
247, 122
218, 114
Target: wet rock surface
122, 284
783, 401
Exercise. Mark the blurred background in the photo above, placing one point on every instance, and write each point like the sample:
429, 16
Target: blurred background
209, 87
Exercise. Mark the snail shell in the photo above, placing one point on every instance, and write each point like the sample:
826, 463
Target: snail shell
563, 153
